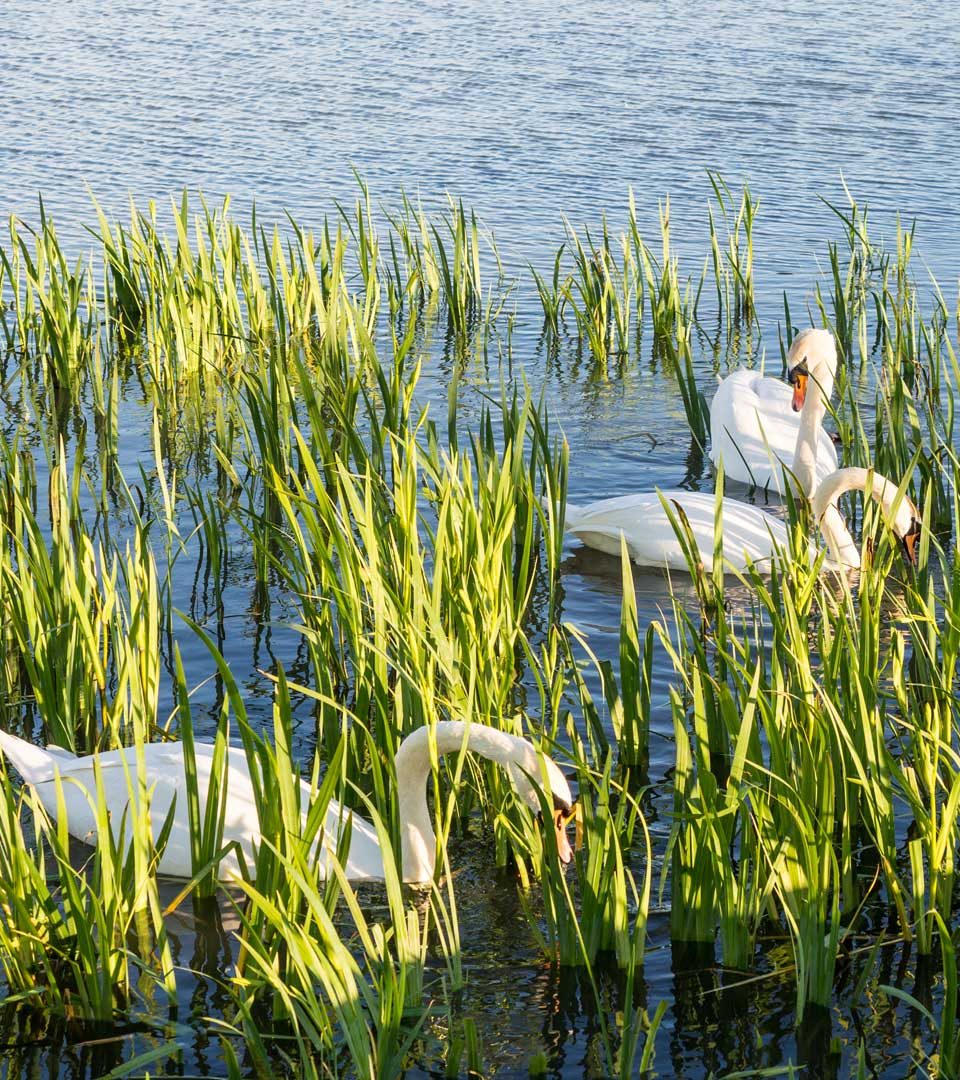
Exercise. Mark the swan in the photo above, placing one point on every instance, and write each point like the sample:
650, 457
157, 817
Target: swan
164, 774
754, 428
749, 534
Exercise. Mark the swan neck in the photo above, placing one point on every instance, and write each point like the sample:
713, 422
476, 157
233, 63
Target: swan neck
811, 417
414, 763
840, 544
841, 548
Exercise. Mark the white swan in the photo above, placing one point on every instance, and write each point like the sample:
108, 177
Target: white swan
164, 774
749, 534
754, 428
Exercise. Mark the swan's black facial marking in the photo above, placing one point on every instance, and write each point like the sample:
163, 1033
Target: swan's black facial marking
910, 538
798, 377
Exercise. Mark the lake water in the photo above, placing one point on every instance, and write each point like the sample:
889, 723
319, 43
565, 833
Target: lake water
527, 112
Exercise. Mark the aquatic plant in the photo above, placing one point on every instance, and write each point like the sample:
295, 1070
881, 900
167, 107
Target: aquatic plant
733, 263
86, 943
295, 456
602, 292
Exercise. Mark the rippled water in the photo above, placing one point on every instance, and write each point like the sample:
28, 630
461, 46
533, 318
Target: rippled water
523, 110
527, 112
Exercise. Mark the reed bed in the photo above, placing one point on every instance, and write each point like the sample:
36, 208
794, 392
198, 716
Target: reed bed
418, 560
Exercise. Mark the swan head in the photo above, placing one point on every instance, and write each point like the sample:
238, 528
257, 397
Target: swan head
909, 538
903, 517
813, 353
907, 527
527, 770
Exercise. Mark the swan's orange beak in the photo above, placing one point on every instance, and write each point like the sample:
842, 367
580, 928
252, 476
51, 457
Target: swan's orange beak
910, 541
561, 819
798, 380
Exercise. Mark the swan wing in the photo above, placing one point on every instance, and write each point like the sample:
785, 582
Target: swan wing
165, 778
751, 392
761, 391
601, 525
749, 534
754, 431
364, 861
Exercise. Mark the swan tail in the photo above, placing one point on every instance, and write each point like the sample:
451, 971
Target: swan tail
571, 514
33, 763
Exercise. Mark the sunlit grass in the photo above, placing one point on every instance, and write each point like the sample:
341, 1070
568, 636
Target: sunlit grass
815, 775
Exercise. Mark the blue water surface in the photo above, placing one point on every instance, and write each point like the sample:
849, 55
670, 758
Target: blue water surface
530, 113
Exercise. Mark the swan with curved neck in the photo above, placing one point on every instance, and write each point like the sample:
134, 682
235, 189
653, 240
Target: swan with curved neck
166, 779
754, 426
749, 534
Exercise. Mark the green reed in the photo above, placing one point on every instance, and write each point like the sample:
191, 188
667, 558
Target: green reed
363, 232
694, 402
414, 239
852, 284
603, 910
672, 304
602, 292
432, 260
81, 944
58, 599
374, 571
296, 958
553, 292
53, 309
630, 708
207, 821
424, 565
797, 806
460, 266
84, 624
733, 260
86, 943
376, 1006
945, 1061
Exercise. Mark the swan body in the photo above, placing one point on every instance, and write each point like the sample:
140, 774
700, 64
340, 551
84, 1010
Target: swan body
758, 426
749, 534
166, 781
